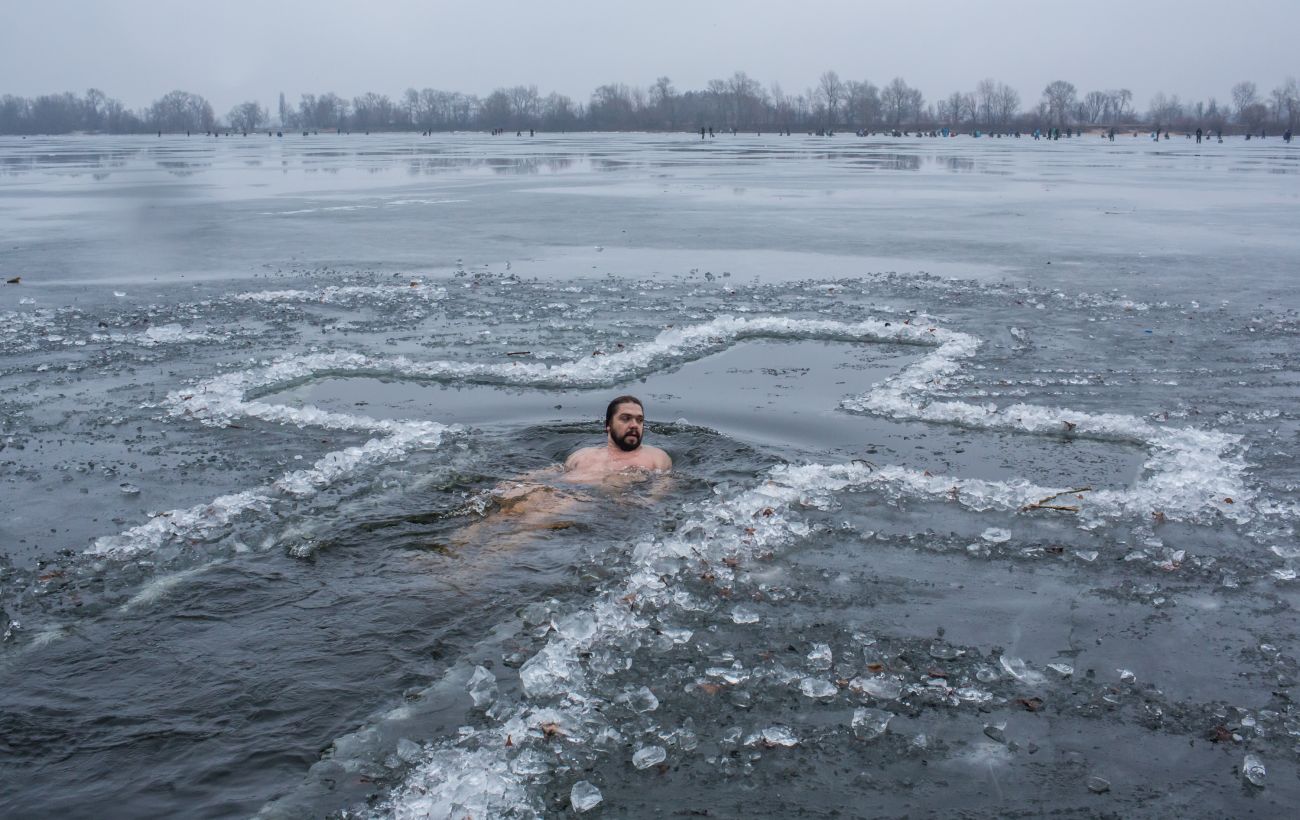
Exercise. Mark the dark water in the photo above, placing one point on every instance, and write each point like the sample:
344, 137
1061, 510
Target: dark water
257, 397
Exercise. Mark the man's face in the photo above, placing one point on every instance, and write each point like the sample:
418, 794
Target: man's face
627, 426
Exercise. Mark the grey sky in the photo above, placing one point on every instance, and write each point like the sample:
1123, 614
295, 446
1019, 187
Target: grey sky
235, 50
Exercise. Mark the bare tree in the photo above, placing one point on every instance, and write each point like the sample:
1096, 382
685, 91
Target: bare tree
1165, 110
495, 111
745, 96
247, 116
1253, 116
372, 111
986, 95
1215, 118
1006, 105
830, 89
1093, 106
1286, 103
862, 104
611, 106
180, 111
957, 109
1244, 95
663, 97
1059, 96
524, 105
326, 111
783, 106
901, 102
559, 113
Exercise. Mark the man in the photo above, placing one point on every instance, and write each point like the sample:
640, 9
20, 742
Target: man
623, 449
540, 500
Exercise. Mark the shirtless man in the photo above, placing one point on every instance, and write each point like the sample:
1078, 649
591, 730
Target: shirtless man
623, 450
533, 502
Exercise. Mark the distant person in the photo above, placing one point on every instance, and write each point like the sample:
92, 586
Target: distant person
701, 132
1198, 136
1286, 136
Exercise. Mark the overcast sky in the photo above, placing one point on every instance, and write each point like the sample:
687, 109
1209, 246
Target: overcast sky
235, 50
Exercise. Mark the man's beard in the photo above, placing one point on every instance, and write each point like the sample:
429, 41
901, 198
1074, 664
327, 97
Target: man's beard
626, 446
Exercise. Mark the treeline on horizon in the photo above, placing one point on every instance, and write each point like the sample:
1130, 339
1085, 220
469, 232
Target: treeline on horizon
740, 103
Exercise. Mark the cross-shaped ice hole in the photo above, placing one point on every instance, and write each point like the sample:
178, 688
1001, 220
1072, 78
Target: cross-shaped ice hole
781, 394
1188, 473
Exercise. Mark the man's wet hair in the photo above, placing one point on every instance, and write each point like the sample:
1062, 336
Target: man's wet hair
613, 406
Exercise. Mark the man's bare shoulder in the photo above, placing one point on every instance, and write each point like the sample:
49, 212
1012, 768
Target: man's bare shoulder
581, 457
659, 460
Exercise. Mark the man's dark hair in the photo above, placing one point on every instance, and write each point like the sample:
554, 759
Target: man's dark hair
613, 406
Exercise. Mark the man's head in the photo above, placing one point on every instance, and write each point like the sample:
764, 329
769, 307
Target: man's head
625, 422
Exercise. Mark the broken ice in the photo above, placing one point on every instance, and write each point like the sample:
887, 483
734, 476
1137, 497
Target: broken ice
817, 688
869, 724
647, 756
1252, 768
742, 614
482, 686
584, 796
819, 657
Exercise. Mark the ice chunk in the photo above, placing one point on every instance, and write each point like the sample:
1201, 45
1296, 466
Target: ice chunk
584, 796
1098, 785
409, 750
742, 614
647, 756
640, 700
1062, 669
731, 674
779, 736
677, 636
550, 672
529, 763
996, 731
996, 535
1016, 668
972, 695
944, 652
1252, 768
482, 686
580, 626
1126, 675
869, 724
817, 688
880, 687
820, 657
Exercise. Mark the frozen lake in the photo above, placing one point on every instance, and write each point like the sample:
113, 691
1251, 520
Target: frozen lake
987, 458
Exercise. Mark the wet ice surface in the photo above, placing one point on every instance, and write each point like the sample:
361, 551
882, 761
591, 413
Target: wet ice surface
257, 394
